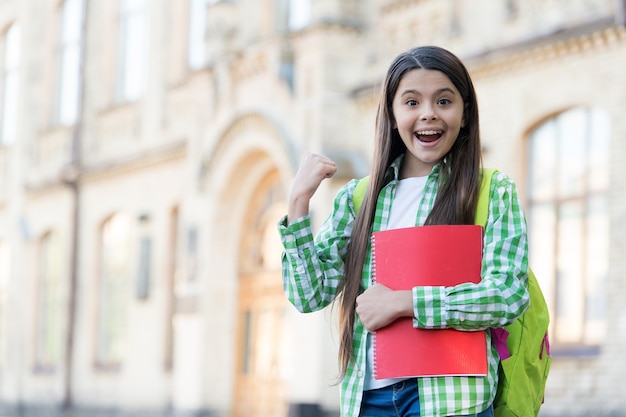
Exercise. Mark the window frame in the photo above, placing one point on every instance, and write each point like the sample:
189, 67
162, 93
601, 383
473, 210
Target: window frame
556, 199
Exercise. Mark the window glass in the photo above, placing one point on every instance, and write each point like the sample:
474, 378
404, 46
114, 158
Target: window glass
597, 267
291, 15
114, 295
10, 86
299, 14
542, 218
133, 48
572, 128
598, 150
50, 302
69, 62
570, 273
196, 52
543, 154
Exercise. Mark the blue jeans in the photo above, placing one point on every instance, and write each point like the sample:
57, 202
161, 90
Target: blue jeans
399, 400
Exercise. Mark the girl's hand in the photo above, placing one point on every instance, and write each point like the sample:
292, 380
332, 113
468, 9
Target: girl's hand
379, 306
314, 168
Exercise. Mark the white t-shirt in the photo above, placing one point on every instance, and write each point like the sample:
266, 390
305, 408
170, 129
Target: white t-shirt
409, 192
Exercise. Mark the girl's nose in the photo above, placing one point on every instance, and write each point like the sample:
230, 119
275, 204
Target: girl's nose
428, 113
429, 116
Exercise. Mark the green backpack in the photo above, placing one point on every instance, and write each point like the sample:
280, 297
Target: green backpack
522, 345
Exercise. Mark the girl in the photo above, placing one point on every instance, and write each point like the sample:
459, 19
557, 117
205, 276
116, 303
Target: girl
426, 171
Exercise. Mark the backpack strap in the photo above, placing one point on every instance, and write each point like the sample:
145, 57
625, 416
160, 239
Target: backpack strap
359, 193
482, 208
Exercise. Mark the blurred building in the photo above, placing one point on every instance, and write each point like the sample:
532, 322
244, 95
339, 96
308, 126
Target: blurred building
147, 149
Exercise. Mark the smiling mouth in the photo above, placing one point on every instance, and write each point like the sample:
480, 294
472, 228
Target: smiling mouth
428, 135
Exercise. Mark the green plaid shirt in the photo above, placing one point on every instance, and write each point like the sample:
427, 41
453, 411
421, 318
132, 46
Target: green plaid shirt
313, 269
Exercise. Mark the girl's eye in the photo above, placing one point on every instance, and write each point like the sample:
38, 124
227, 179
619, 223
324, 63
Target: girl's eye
411, 102
443, 101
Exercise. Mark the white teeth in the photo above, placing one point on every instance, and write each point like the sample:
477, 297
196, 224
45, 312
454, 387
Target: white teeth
429, 132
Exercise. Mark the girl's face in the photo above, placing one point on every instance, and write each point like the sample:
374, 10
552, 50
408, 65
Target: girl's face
428, 113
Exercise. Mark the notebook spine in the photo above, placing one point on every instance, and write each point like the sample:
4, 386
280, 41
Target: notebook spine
374, 361
373, 268
373, 263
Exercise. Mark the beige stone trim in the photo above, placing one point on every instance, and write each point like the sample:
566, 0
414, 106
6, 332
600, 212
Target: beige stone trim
144, 160
500, 62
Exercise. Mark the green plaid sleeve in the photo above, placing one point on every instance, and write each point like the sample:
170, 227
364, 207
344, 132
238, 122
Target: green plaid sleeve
312, 268
502, 294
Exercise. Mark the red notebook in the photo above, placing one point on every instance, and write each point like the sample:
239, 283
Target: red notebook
427, 256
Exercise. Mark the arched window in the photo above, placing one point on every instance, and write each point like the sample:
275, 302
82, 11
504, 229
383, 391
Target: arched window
114, 290
568, 159
50, 303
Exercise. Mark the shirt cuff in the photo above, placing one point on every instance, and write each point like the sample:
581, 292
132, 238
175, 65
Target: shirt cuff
429, 307
297, 234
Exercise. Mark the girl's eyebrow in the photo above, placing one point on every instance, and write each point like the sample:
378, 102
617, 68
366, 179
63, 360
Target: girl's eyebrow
437, 92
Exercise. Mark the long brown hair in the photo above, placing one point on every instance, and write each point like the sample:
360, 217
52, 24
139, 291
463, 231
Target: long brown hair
457, 193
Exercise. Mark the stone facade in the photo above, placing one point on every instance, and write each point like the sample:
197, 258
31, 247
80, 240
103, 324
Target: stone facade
202, 161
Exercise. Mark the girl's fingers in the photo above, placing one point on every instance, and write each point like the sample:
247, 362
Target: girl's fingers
314, 168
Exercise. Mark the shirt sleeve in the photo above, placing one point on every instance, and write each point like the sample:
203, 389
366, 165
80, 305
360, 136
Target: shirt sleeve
502, 295
312, 268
